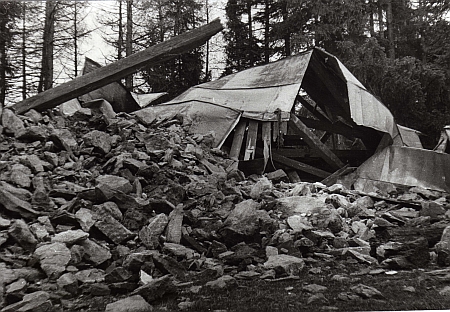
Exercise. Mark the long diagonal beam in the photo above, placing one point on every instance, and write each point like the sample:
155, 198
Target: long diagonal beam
113, 72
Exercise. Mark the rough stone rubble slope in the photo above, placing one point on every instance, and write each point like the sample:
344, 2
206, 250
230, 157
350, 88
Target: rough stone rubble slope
139, 209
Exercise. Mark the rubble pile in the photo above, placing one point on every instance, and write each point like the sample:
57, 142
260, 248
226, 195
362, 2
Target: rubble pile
141, 209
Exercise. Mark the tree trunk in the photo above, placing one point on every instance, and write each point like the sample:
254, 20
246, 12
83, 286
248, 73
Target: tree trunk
371, 21
75, 39
266, 31
46, 78
3, 65
390, 30
129, 42
24, 54
380, 18
120, 39
287, 35
250, 33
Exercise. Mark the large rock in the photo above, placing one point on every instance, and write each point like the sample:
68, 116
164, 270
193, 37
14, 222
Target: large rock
53, 259
31, 134
149, 235
131, 304
113, 229
21, 175
99, 140
114, 183
11, 122
173, 229
17, 205
38, 301
156, 288
313, 212
443, 248
70, 237
21, 233
222, 283
285, 264
245, 222
94, 252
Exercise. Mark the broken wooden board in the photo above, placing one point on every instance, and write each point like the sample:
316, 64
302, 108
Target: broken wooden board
113, 72
332, 178
314, 142
296, 164
238, 139
115, 93
252, 134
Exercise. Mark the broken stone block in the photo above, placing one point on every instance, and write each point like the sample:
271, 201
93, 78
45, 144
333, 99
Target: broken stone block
130, 304
94, 252
31, 134
20, 175
367, 292
285, 264
223, 283
53, 259
68, 282
156, 289
108, 208
11, 122
15, 291
18, 192
178, 250
99, 140
118, 275
149, 235
85, 218
173, 229
21, 233
40, 232
64, 139
114, 183
314, 288
70, 237
90, 276
17, 205
260, 188
169, 265
113, 229
314, 211
38, 301
433, 210
443, 248
278, 175
245, 222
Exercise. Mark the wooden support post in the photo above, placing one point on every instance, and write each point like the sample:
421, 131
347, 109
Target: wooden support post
113, 72
298, 165
250, 145
314, 142
311, 109
237, 139
266, 140
332, 178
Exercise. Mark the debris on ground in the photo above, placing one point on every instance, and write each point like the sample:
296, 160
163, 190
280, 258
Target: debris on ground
134, 212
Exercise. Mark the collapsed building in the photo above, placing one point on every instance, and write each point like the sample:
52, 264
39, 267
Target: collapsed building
306, 114
310, 116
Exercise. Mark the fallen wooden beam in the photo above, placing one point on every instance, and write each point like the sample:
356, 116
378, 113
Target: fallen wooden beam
314, 142
296, 164
117, 70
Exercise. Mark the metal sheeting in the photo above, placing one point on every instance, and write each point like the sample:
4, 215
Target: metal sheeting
257, 92
407, 166
202, 118
408, 137
366, 110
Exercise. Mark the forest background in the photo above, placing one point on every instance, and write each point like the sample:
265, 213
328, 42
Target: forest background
399, 49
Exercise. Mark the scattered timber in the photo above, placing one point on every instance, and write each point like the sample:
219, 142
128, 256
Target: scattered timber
113, 72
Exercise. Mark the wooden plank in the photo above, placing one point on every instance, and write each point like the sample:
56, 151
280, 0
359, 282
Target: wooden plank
297, 165
332, 178
311, 109
250, 145
266, 140
237, 139
113, 72
314, 142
